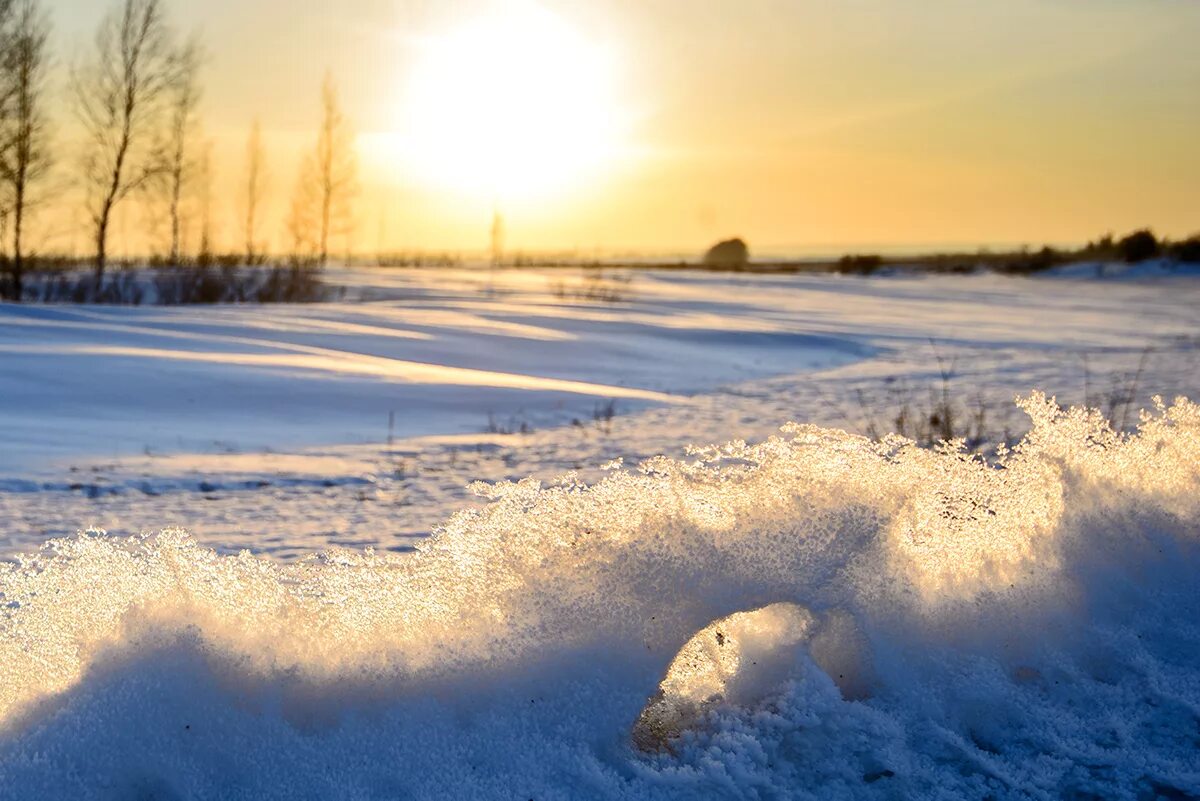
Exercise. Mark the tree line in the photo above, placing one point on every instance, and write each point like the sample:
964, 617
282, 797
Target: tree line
136, 100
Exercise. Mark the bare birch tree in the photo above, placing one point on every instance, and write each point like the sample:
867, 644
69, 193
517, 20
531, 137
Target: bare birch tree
256, 186
204, 197
301, 219
323, 202
184, 100
121, 97
6, 112
25, 158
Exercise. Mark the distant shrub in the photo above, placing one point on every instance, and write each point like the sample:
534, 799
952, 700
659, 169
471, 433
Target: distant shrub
1137, 246
595, 285
198, 284
295, 283
1102, 248
1187, 251
418, 259
859, 265
176, 286
728, 253
1026, 263
118, 287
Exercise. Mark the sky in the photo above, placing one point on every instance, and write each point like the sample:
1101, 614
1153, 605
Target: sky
659, 126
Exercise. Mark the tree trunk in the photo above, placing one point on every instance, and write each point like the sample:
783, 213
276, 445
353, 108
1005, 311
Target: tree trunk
18, 266
175, 229
101, 247
325, 214
250, 231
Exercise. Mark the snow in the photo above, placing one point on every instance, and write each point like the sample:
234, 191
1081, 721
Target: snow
292, 455
1121, 271
894, 621
255, 378
937, 628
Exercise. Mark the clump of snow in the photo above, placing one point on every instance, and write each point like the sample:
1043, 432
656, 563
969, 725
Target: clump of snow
926, 625
739, 659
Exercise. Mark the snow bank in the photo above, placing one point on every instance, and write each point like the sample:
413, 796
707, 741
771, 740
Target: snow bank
892, 621
1122, 271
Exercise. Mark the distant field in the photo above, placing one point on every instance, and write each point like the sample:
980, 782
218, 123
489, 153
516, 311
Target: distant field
286, 428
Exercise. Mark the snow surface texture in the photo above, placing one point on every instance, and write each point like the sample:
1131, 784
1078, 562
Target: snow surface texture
289, 455
905, 623
437, 353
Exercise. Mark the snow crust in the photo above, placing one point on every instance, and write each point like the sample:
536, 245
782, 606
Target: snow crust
928, 625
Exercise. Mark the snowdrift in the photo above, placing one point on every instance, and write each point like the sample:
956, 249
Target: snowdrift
816, 616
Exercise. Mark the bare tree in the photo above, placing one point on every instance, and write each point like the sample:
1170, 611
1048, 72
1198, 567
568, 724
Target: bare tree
328, 182
120, 98
497, 236
256, 186
26, 158
204, 184
184, 99
301, 220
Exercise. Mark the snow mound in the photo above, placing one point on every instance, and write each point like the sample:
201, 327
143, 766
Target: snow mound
894, 622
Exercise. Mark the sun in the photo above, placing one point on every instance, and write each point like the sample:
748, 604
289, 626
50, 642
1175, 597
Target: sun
514, 104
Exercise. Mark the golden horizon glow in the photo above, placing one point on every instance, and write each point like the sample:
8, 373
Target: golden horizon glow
660, 127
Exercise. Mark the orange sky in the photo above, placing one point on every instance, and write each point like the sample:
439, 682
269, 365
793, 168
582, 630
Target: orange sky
802, 126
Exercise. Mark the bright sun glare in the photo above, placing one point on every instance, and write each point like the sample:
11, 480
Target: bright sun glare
513, 104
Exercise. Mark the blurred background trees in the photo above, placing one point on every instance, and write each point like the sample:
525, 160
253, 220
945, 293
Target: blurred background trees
25, 147
323, 202
122, 94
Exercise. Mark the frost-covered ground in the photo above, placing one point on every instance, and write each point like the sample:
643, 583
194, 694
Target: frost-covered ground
816, 616
268, 427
